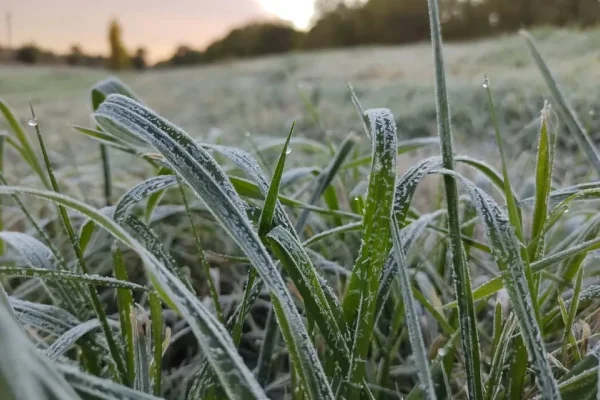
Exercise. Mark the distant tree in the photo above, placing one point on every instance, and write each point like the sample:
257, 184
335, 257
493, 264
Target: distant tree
28, 54
118, 55
185, 55
139, 60
76, 56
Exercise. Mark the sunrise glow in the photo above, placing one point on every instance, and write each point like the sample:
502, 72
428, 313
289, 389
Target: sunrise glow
299, 12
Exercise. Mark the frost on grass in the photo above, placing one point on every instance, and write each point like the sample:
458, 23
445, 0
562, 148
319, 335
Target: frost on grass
139, 192
407, 184
196, 166
50, 319
360, 301
33, 251
408, 236
506, 250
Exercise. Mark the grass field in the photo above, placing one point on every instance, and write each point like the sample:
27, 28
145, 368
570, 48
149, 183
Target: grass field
395, 284
262, 96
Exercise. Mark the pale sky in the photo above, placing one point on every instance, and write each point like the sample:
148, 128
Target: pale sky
159, 25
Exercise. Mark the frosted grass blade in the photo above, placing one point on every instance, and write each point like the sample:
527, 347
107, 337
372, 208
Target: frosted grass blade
462, 280
212, 337
506, 250
361, 295
412, 319
565, 110
207, 179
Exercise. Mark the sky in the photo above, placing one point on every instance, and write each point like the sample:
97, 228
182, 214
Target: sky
158, 25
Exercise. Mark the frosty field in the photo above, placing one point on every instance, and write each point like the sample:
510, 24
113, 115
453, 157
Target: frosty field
304, 240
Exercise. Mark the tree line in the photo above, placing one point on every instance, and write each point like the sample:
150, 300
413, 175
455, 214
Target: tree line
341, 23
118, 59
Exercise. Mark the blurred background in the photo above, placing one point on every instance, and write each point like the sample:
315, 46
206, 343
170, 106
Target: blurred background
140, 34
224, 69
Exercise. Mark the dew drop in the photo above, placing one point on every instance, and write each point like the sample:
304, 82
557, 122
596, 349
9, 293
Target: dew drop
33, 122
247, 134
288, 150
486, 83
441, 352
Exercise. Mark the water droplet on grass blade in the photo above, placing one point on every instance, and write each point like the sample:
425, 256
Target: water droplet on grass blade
33, 122
486, 83
288, 150
247, 134
441, 352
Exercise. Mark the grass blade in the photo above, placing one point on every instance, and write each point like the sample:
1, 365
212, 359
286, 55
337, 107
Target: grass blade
212, 337
360, 300
565, 111
326, 176
508, 256
209, 182
412, 319
305, 277
28, 153
125, 306
462, 280
69, 338
268, 211
543, 182
572, 313
98, 94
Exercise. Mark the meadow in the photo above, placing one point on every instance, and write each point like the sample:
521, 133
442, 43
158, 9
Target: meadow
263, 230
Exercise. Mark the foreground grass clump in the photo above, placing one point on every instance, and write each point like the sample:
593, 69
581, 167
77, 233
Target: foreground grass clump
213, 279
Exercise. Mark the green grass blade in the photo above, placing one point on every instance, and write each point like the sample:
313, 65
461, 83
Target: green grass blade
99, 388
462, 280
81, 261
28, 153
57, 275
361, 112
498, 358
305, 277
507, 253
139, 192
98, 94
495, 284
24, 373
141, 364
212, 337
156, 315
409, 235
125, 306
572, 313
565, 110
326, 177
513, 211
353, 226
202, 257
209, 182
69, 338
154, 245
266, 216
412, 319
360, 300
543, 182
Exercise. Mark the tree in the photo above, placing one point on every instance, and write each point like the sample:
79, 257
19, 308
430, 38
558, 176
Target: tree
28, 54
76, 56
139, 60
118, 54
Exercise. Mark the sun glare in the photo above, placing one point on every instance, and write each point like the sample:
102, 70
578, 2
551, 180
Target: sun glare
299, 12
